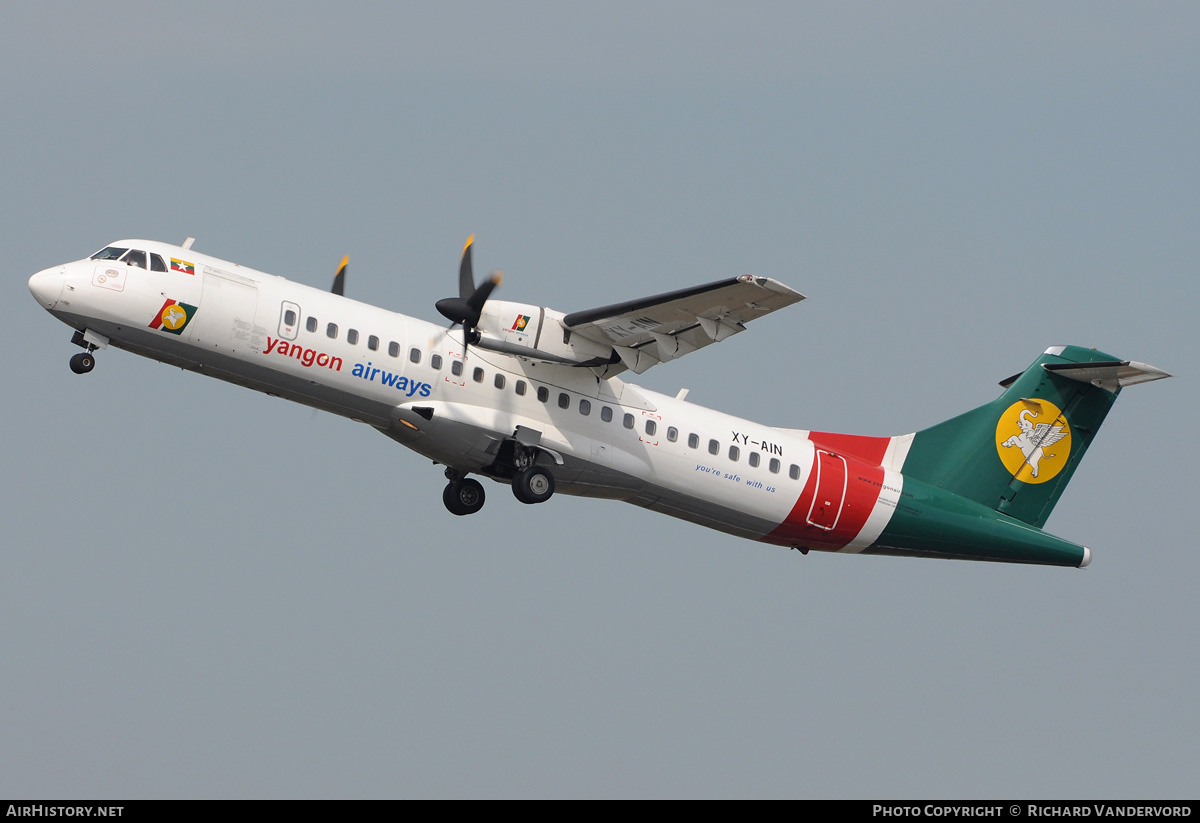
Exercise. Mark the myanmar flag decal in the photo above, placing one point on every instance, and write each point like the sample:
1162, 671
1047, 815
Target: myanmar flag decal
173, 317
182, 266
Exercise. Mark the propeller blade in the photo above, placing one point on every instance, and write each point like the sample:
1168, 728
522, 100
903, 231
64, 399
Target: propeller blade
466, 309
339, 279
466, 277
482, 293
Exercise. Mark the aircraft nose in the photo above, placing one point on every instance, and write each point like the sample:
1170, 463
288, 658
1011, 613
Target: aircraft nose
47, 286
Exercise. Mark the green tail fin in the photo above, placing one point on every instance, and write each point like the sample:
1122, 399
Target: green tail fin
1017, 453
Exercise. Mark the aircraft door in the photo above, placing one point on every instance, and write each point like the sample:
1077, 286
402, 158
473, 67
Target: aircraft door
830, 493
289, 320
225, 319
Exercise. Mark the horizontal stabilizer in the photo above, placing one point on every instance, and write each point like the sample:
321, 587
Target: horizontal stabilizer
1111, 376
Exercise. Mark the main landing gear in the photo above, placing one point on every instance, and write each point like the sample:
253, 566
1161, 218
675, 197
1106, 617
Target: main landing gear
534, 484
464, 495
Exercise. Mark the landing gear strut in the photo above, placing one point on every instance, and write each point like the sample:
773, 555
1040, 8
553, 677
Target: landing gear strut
463, 495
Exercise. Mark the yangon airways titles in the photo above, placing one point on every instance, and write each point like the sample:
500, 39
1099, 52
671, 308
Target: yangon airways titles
311, 357
307, 357
387, 378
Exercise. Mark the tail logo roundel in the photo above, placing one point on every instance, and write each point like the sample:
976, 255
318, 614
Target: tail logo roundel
1033, 440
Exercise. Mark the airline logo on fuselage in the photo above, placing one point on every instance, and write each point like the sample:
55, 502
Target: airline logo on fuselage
1033, 439
173, 317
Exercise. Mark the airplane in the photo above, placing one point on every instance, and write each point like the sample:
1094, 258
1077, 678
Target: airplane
534, 398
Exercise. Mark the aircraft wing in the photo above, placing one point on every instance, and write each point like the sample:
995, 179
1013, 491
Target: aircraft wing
649, 331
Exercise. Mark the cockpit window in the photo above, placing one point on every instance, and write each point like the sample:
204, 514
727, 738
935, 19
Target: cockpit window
135, 258
157, 263
110, 253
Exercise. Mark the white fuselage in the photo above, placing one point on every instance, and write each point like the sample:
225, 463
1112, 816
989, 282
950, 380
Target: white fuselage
411, 380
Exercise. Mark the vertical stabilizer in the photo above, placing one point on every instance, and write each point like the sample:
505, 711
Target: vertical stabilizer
1016, 454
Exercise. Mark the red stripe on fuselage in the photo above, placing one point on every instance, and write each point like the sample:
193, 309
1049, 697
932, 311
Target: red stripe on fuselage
869, 450
157, 321
855, 491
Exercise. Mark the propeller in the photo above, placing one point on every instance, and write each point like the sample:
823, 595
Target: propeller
466, 309
339, 279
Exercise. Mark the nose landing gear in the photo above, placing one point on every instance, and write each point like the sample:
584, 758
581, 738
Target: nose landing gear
83, 362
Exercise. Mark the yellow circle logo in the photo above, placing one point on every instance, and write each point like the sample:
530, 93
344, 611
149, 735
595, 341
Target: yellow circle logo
1033, 440
173, 317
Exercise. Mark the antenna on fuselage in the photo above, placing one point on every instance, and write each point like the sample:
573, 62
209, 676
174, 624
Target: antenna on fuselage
187, 244
339, 279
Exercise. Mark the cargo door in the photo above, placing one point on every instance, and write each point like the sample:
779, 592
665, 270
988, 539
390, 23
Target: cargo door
225, 318
829, 495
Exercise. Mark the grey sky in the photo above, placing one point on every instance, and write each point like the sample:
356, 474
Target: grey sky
206, 592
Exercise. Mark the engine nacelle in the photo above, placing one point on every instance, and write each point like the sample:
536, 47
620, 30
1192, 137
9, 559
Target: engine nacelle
537, 332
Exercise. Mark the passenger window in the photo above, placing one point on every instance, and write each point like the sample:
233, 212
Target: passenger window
498, 382
543, 394
394, 349
289, 318
373, 343
651, 427
693, 441
331, 330
352, 337
158, 264
311, 324
564, 400
672, 433
733, 453
520, 388
627, 421
606, 414
774, 465
794, 472
414, 355
585, 407
753, 460
713, 447
435, 362
136, 258
477, 375
456, 367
